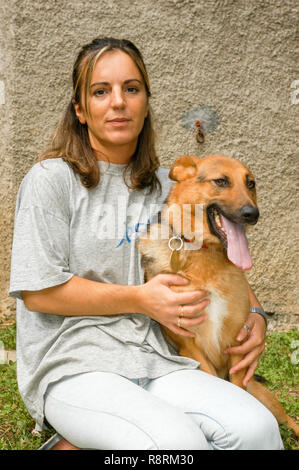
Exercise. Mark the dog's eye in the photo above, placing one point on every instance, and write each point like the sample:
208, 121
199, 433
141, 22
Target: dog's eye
221, 182
250, 184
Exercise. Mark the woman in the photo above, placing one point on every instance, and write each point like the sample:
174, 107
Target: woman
92, 361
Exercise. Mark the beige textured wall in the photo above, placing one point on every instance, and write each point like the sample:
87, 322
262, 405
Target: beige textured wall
236, 58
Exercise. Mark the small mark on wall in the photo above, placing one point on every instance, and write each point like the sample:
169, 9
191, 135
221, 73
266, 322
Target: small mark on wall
2, 92
294, 94
205, 114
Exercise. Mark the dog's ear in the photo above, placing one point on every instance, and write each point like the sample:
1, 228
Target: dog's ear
183, 168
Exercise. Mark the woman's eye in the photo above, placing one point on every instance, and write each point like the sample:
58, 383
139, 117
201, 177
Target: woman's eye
100, 92
132, 89
251, 184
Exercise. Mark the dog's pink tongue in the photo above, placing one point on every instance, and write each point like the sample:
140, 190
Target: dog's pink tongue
237, 244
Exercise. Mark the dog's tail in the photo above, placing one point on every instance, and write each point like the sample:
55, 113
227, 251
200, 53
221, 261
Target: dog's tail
264, 395
259, 378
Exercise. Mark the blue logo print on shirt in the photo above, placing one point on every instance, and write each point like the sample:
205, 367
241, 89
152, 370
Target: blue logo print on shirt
130, 231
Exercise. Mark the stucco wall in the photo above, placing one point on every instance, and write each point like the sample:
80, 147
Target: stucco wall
233, 60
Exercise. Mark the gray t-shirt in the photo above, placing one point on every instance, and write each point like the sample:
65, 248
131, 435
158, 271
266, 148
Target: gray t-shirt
63, 229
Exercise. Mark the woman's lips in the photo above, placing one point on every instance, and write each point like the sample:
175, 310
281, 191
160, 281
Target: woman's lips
118, 122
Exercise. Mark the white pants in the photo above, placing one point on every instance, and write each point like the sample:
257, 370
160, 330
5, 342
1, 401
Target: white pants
183, 410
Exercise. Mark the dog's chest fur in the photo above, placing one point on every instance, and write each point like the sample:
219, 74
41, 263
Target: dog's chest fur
217, 310
207, 269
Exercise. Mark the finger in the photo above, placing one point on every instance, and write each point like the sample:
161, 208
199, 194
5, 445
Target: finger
246, 362
194, 311
190, 298
246, 347
188, 322
172, 279
243, 333
181, 331
250, 372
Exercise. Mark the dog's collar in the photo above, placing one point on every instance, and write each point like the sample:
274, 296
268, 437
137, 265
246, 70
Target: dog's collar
186, 240
192, 241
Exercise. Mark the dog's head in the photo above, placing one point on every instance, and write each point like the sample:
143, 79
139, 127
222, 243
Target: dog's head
225, 189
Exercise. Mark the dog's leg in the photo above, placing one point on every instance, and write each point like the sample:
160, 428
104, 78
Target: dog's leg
195, 353
237, 377
270, 401
263, 395
188, 348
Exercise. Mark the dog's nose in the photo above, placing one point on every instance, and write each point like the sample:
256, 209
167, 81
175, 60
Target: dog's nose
250, 214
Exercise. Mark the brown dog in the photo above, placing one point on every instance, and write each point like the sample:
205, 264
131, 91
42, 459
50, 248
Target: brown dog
213, 258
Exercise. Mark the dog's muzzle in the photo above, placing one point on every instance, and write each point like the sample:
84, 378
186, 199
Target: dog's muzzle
249, 214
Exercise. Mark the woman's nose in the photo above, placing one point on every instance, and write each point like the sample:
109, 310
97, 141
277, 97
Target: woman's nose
117, 98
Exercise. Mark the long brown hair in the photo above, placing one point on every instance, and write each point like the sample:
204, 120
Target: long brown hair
71, 141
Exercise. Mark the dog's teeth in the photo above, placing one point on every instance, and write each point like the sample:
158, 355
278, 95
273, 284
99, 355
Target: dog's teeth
217, 218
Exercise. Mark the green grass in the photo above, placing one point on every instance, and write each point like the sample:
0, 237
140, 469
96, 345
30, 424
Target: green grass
8, 336
275, 366
281, 372
16, 424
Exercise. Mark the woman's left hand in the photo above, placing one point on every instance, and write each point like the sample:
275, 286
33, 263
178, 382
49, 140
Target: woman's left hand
252, 348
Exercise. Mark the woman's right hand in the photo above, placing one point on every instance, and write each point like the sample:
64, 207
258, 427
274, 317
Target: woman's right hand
158, 301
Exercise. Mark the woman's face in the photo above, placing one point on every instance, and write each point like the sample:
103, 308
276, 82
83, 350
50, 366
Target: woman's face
118, 104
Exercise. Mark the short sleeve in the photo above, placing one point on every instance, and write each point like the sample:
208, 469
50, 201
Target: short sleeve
40, 249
